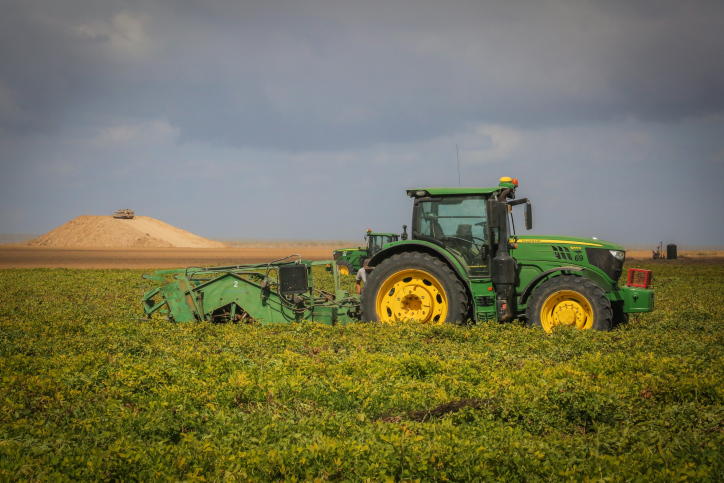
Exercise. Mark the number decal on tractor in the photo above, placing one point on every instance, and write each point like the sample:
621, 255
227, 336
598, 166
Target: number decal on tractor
236, 284
562, 252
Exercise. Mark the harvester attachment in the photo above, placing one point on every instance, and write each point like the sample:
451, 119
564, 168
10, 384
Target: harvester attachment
277, 292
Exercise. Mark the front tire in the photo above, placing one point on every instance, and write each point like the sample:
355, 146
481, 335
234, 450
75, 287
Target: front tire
568, 300
413, 286
345, 267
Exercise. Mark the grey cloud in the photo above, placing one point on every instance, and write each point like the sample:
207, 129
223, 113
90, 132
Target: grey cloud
309, 119
325, 75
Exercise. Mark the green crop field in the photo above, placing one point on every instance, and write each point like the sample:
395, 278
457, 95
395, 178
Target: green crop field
87, 392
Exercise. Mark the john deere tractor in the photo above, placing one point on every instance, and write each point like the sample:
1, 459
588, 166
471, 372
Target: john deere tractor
349, 260
463, 263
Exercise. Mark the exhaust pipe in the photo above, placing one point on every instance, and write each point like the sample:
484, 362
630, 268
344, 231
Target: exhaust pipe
504, 266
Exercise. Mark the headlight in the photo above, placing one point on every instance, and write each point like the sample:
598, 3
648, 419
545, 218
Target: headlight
618, 255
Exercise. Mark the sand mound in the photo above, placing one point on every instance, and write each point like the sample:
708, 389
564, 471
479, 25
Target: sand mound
106, 231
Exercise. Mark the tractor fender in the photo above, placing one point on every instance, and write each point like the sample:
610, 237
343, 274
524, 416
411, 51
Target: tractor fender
534, 283
424, 247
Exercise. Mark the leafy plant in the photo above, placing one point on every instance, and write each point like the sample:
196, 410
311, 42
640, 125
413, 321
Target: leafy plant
89, 392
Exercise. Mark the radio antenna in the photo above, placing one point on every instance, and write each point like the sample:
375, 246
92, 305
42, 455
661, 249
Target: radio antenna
458, 154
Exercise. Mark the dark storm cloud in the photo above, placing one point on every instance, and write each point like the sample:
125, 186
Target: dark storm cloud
667, 68
331, 75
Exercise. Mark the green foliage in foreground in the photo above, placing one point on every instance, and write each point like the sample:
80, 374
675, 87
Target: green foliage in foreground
88, 392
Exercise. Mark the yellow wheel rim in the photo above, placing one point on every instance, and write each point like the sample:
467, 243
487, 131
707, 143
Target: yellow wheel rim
411, 295
566, 308
343, 270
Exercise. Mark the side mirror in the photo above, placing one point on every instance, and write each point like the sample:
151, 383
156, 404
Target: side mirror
528, 216
493, 213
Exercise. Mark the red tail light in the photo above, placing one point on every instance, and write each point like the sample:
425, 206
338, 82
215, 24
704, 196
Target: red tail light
639, 278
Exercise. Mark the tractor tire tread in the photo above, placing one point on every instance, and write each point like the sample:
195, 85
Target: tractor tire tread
457, 299
345, 263
603, 319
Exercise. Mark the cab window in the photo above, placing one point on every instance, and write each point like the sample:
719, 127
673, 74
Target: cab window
376, 242
460, 224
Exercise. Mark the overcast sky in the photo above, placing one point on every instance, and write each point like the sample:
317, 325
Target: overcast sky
309, 119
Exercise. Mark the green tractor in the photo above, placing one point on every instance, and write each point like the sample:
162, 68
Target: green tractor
349, 260
463, 263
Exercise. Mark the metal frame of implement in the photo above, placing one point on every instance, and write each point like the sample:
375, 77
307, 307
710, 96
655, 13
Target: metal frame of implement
277, 292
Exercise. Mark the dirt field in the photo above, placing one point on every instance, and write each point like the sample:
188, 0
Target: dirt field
682, 255
23, 256
147, 243
142, 242
18, 256
106, 231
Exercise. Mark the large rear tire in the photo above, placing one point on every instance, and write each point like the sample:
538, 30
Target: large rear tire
413, 286
568, 300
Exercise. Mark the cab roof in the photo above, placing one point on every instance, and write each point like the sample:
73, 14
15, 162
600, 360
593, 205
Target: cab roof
420, 192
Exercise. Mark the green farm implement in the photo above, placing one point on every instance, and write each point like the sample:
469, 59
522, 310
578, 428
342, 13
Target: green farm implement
349, 260
280, 291
463, 263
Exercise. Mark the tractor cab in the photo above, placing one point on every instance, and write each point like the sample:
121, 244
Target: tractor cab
466, 222
349, 260
457, 223
376, 241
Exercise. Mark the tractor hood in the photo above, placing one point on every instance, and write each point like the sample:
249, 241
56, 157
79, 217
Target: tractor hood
567, 240
542, 250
